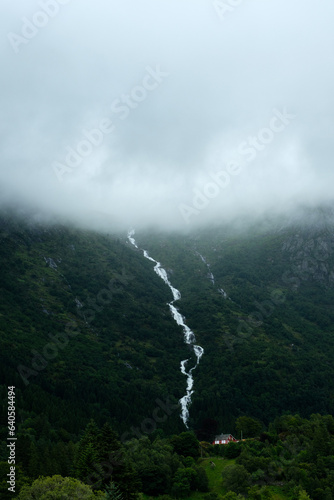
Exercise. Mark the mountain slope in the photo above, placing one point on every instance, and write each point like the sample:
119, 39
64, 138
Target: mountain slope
269, 346
86, 330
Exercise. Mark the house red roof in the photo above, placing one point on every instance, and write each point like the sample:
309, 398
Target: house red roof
224, 439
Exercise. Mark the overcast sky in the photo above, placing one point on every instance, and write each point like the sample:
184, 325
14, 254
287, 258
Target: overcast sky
168, 112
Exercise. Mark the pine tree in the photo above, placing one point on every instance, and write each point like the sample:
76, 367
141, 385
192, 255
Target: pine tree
128, 482
88, 467
113, 492
110, 452
114, 465
87, 461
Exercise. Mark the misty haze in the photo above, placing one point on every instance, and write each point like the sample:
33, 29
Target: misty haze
168, 113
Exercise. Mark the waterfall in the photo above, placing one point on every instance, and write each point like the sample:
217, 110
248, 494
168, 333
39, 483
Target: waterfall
211, 276
189, 336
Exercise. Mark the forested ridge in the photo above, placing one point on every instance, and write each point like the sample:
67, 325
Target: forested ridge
94, 354
269, 344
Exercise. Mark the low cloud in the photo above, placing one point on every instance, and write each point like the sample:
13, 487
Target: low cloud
166, 113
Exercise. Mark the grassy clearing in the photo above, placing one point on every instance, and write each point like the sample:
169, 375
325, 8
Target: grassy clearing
215, 474
215, 480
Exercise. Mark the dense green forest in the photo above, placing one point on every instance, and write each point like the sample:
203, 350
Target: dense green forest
293, 459
86, 334
83, 330
269, 344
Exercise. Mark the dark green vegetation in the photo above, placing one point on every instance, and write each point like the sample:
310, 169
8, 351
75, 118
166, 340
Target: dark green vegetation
91, 338
86, 333
269, 347
293, 459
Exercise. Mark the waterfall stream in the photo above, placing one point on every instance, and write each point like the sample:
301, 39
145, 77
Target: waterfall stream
211, 276
189, 336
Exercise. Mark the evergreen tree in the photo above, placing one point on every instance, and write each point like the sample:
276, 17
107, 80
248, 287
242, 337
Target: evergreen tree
110, 452
88, 467
114, 465
113, 492
87, 460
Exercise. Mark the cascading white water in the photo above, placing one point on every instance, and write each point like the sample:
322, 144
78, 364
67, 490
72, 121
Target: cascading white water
210, 275
189, 336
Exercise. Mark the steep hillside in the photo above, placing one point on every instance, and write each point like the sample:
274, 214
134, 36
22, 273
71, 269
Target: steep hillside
266, 322
84, 330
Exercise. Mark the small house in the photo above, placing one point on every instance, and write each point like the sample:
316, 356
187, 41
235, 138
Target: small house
224, 439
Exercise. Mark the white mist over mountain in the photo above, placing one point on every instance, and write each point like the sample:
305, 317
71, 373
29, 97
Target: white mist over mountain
172, 113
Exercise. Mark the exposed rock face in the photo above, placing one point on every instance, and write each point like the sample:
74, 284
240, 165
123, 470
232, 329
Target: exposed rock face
50, 262
312, 255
